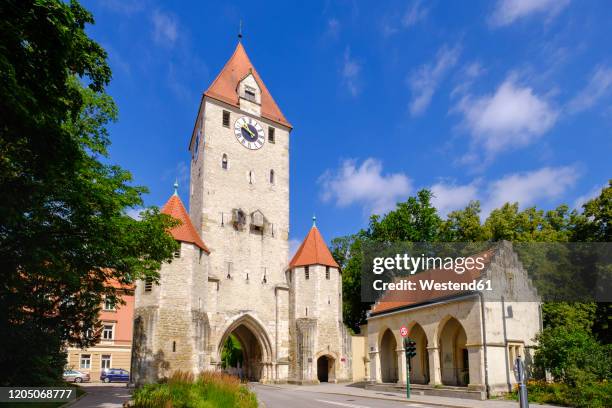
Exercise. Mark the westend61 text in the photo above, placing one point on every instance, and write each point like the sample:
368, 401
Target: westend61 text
430, 284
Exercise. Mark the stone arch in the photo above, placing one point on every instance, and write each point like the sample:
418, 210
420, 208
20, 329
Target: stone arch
387, 351
419, 364
256, 347
326, 366
454, 364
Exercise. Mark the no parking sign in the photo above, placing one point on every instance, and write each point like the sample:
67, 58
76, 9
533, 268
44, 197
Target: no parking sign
404, 331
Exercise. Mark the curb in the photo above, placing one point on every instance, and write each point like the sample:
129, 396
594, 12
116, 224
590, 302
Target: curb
71, 403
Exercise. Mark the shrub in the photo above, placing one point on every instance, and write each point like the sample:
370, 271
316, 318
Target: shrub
208, 390
588, 395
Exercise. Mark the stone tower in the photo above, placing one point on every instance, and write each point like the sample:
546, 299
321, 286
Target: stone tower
170, 322
240, 203
320, 343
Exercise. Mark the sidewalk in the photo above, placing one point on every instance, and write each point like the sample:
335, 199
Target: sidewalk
358, 391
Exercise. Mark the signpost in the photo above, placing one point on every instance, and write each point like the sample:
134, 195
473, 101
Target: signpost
410, 350
519, 373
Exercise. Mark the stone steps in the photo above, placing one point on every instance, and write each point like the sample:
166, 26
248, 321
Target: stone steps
438, 391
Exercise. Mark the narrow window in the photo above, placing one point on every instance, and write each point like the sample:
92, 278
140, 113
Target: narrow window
173, 346
177, 253
148, 284
107, 332
327, 272
306, 311
226, 118
271, 176
85, 360
271, 138
249, 94
306, 273
251, 177
105, 361
224, 162
228, 266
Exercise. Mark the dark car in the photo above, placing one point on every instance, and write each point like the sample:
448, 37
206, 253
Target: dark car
75, 376
115, 375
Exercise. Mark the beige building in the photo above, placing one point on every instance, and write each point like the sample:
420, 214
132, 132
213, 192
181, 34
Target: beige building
286, 315
465, 340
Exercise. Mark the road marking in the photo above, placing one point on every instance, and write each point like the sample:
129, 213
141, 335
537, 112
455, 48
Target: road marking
342, 404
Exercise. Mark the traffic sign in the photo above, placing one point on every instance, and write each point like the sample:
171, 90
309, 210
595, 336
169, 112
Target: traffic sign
404, 331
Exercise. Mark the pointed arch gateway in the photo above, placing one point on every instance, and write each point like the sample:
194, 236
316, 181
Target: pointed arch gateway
256, 348
388, 357
454, 361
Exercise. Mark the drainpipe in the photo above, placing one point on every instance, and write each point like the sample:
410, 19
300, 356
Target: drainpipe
503, 305
484, 343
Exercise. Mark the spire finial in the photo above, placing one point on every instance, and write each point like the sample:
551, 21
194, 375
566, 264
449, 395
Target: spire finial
240, 31
314, 220
176, 187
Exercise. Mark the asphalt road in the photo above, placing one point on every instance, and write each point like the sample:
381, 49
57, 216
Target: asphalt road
273, 397
100, 395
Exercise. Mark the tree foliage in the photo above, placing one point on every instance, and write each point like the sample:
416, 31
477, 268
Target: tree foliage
64, 234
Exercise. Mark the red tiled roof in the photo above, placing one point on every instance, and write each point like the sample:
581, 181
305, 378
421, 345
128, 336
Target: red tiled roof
313, 251
397, 299
184, 232
224, 87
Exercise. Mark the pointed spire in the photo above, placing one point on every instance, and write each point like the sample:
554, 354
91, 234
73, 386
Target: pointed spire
176, 187
185, 231
313, 251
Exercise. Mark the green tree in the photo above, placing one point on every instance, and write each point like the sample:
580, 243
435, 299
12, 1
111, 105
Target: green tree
64, 233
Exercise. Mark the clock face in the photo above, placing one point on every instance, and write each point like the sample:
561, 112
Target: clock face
249, 133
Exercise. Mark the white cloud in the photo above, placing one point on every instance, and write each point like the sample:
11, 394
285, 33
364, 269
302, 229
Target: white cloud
599, 86
333, 28
165, 28
365, 185
424, 82
508, 11
350, 73
134, 213
449, 197
415, 13
591, 194
530, 187
294, 244
514, 116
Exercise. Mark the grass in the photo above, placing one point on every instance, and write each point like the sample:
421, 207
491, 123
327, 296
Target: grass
208, 390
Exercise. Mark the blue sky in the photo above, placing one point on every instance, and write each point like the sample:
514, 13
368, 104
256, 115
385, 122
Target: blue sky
497, 101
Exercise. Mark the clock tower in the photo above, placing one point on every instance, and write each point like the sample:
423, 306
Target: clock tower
239, 203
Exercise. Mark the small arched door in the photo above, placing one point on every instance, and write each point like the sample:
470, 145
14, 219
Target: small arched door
323, 369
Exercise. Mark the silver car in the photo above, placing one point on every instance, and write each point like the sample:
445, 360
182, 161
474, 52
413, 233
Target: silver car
75, 376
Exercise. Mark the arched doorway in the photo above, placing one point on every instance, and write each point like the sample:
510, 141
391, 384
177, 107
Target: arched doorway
325, 369
388, 357
454, 364
244, 350
419, 364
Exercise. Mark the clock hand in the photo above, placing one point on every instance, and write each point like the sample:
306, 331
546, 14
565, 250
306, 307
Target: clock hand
245, 127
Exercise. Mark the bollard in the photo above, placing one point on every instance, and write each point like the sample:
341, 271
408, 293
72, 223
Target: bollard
519, 373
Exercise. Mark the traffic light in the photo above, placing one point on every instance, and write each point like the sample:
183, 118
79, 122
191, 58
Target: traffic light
410, 347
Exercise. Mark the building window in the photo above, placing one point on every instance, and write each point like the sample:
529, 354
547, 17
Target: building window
271, 176
224, 162
177, 253
109, 304
174, 346
327, 272
226, 118
228, 267
306, 273
249, 94
271, 138
85, 360
148, 284
108, 332
251, 177
105, 361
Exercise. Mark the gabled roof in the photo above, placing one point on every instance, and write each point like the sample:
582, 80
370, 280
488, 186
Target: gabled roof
399, 299
184, 232
313, 251
225, 86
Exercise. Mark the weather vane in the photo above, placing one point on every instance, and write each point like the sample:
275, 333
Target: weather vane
240, 31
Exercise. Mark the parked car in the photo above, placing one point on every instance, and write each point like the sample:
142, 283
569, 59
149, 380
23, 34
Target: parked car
75, 376
115, 375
